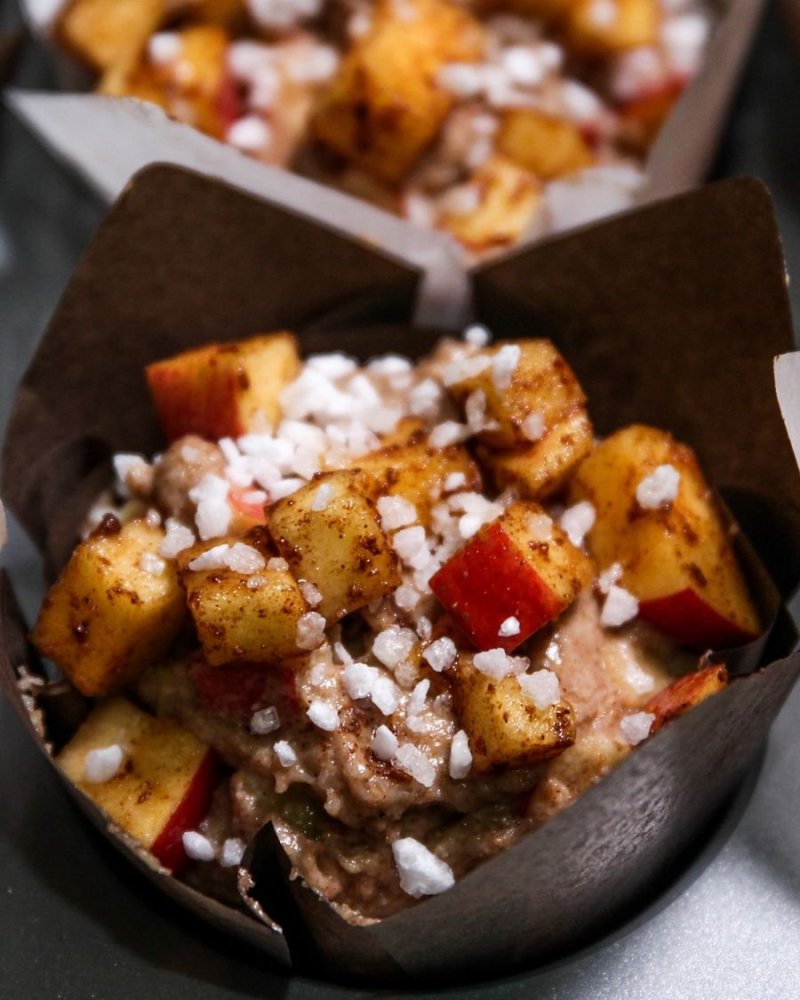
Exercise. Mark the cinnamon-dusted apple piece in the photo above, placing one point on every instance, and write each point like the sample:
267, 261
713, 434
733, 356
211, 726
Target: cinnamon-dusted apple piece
114, 610
684, 693
549, 147
528, 387
110, 34
224, 390
384, 107
515, 575
329, 532
657, 517
245, 604
151, 777
417, 472
500, 202
629, 24
505, 725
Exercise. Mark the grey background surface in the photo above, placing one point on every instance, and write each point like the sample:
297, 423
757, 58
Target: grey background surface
77, 923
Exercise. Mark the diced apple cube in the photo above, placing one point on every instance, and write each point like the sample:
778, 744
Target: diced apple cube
110, 33
248, 615
506, 199
548, 147
330, 534
520, 566
114, 610
504, 726
235, 691
542, 468
684, 693
417, 472
602, 29
677, 557
224, 390
163, 786
541, 383
385, 106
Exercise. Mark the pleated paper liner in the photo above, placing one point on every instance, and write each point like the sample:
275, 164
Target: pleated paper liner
670, 315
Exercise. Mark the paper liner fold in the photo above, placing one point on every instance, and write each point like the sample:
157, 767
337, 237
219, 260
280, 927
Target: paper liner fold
670, 315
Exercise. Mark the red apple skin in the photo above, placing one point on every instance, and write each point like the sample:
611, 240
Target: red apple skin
685, 693
237, 690
230, 105
693, 622
193, 807
194, 394
488, 581
253, 513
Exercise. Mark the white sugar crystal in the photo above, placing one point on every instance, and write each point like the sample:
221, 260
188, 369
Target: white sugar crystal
164, 47
461, 79
460, 756
533, 426
635, 71
509, 627
322, 497
333, 365
441, 654
242, 558
255, 497
383, 743
475, 411
342, 653
359, 679
497, 664
619, 607
276, 15
213, 558
407, 597
684, 39
384, 695
251, 134
198, 847
229, 450
639, 681
124, 464
278, 565
421, 872
424, 628
102, 764
540, 527
636, 728
541, 687
524, 65
424, 398
177, 538
412, 547
313, 597
323, 715
396, 512
232, 852
454, 481
285, 753
390, 364
245, 58
477, 334
552, 55
213, 513
464, 368
153, 518
461, 200
285, 487
310, 630
413, 761
602, 13
150, 563
255, 581
416, 701
577, 521
264, 721
609, 576
469, 524
659, 489
580, 103
504, 364
447, 433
